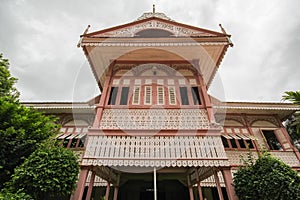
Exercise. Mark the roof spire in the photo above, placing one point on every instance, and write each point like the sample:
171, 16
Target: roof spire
153, 8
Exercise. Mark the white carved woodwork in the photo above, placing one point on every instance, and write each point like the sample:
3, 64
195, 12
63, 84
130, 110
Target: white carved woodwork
159, 151
154, 119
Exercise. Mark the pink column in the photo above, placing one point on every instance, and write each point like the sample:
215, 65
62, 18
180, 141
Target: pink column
107, 191
229, 184
80, 184
90, 187
218, 185
190, 186
198, 184
116, 190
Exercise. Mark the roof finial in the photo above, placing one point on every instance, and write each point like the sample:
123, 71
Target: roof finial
153, 8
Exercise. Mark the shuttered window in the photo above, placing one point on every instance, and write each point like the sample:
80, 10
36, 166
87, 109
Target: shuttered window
148, 95
160, 95
172, 95
136, 95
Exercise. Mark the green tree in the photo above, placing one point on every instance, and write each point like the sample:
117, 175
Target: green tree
266, 178
22, 129
293, 122
6, 80
50, 172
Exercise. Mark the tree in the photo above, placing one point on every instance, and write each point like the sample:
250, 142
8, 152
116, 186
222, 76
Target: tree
266, 178
22, 129
6, 80
293, 122
50, 172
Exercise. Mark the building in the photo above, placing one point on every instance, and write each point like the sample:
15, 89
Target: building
155, 132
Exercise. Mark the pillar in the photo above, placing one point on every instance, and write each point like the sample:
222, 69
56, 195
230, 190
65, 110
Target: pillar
218, 184
80, 184
190, 187
90, 187
107, 191
116, 190
198, 184
229, 184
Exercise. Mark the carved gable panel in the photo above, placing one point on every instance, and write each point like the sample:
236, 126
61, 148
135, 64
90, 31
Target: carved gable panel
133, 28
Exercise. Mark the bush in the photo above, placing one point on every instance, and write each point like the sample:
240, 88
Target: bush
267, 178
50, 172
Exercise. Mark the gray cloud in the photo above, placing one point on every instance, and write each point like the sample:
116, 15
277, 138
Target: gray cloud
39, 38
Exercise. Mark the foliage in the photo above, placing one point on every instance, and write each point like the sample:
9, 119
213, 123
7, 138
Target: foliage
50, 172
21, 130
294, 97
6, 80
266, 178
19, 195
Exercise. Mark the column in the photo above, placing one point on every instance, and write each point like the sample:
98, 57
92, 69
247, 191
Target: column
107, 191
198, 184
90, 187
218, 184
80, 184
229, 184
116, 190
190, 187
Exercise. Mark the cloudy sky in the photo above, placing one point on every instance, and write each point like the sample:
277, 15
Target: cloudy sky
39, 38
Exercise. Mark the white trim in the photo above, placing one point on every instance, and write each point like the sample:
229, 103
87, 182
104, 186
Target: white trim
136, 95
172, 95
148, 95
160, 95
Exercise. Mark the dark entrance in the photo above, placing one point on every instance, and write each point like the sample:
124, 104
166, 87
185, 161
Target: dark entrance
143, 190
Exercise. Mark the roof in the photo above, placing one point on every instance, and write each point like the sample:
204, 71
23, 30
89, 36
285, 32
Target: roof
155, 21
61, 107
126, 43
283, 110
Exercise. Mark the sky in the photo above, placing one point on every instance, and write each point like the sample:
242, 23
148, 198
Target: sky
40, 39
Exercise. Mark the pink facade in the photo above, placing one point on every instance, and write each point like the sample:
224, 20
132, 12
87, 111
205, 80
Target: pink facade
155, 132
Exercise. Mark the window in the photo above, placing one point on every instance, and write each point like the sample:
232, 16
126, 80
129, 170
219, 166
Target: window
237, 138
160, 95
113, 96
233, 143
272, 140
72, 137
172, 95
136, 95
124, 96
195, 94
148, 95
225, 142
242, 144
184, 96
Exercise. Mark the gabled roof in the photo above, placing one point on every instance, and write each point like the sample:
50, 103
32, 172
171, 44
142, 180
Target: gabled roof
155, 21
145, 39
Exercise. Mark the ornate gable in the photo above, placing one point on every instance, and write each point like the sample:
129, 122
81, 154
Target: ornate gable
154, 21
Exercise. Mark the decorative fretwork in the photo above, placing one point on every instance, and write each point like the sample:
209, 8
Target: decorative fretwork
235, 157
271, 119
154, 119
289, 158
176, 30
159, 151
